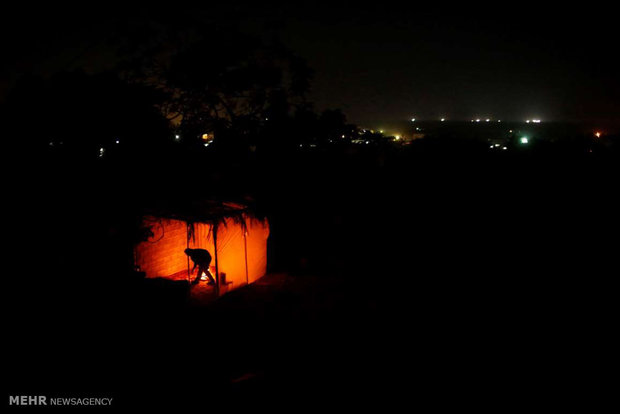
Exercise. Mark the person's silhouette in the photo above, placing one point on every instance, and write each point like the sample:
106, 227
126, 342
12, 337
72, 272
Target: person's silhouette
202, 260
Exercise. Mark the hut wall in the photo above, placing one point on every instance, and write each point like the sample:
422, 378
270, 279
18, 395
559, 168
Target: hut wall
163, 254
231, 253
258, 232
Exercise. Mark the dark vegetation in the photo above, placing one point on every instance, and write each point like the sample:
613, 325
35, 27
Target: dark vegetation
436, 267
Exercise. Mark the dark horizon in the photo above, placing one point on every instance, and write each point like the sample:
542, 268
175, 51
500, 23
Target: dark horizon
380, 65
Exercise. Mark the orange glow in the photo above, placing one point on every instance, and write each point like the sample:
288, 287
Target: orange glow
242, 257
597, 134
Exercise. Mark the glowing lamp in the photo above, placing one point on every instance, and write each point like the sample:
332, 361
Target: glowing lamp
524, 140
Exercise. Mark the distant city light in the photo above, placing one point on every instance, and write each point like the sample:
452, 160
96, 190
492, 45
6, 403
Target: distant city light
397, 137
536, 121
527, 121
412, 119
504, 148
510, 131
343, 136
597, 134
117, 141
177, 137
443, 119
381, 131
477, 120
499, 120
487, 120
101, 152
524, 140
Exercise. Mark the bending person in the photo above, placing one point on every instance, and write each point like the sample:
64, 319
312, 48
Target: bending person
202, 260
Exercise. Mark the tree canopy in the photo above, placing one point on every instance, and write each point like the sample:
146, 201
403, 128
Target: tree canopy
226, 83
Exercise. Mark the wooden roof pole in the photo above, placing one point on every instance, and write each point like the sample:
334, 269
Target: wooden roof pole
245, 246
217, 273
189, 276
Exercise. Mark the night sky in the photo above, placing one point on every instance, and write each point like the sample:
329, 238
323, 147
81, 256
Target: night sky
382, 63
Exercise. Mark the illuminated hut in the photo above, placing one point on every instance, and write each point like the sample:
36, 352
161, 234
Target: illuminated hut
236, 239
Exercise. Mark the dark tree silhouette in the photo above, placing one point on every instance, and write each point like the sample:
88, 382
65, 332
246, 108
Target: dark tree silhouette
227, 84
